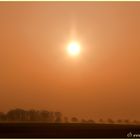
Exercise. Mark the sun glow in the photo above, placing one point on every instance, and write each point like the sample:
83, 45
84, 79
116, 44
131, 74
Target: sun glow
73, 48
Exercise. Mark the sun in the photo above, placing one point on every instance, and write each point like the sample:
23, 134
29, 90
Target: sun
73, 48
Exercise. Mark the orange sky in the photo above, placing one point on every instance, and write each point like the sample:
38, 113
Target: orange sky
36, 71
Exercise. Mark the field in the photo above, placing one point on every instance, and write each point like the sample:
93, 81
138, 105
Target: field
44, 130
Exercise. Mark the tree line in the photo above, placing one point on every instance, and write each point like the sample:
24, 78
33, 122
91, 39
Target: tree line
31, 115
21, 115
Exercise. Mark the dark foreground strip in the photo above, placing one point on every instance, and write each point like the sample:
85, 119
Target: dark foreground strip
44, 130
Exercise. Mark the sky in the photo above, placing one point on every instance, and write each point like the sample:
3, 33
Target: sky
36, 72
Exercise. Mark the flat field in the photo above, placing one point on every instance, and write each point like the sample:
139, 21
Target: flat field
46, 130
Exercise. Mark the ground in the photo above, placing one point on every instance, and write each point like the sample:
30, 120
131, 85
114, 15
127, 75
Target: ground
44, 130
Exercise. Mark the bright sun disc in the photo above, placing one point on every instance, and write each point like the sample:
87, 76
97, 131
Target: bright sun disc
74, 48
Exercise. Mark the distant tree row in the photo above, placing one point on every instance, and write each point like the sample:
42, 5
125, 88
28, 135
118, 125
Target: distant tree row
21, 115
119, 121
101, 121
31, 115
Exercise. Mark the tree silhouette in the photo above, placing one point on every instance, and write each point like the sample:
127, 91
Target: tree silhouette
66, 120
101, 120
2, 116
126, 121
31, 115
13, 115
51, 117
90, 121
48, 117
74, 119
119, 121
136, 122
44, 116
110, 121
58, 117
83, 121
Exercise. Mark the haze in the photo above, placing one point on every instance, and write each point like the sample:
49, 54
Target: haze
37, 72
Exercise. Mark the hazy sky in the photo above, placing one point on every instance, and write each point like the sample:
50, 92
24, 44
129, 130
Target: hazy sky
37, 72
